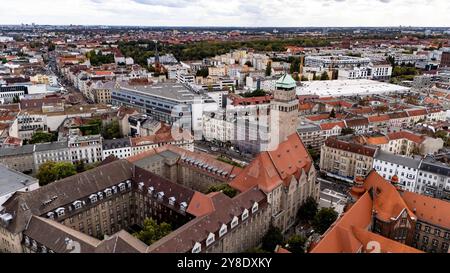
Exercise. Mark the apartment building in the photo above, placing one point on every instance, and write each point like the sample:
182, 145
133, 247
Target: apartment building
344, 159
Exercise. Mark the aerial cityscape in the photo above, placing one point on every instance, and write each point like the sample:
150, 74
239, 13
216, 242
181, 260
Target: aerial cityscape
232, 127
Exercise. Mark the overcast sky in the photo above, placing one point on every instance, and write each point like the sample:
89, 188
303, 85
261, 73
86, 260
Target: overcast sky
288, 13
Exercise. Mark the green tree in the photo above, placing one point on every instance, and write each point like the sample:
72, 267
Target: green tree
111, 130
314, 154
324, 76
323, 219
100, 58
296, 244
203, 72
41, 137
16, 99
347, 131
441, 134
269, 69
272, 238
225, 188
307, 210
51, 171
332, 113
80, 166
152, 232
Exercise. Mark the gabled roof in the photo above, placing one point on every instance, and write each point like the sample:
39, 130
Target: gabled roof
428, 209
387, 201
378, 118
272, 168
331, 125
405, 134
339, 238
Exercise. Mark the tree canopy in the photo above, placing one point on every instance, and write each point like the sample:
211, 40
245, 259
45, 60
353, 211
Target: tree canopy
152, 231
296, 244
323, 219
225, 188
51, 171
42, 137
100, 58
308, 209
272, 238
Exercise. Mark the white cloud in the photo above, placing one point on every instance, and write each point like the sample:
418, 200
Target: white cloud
293, 13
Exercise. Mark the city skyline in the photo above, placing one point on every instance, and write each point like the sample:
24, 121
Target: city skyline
235, 13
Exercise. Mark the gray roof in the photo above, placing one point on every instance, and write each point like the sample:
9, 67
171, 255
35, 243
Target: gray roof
26, 149
51, 146
304, 128
173, 91
116, 143
397, 159
436, 167
12, 181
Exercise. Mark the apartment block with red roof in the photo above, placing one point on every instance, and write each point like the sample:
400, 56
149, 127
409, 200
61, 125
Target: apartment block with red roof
384, 219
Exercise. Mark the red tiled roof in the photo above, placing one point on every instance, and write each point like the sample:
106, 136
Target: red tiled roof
270, 169
404, 134
336, 143
378, 118
427, 209
331, 125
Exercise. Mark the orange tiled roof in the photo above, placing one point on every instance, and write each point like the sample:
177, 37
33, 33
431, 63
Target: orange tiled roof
378, 118
405, 134
386, 245
377, 140
331, 125
387, 201
428, 209
270, 169
420, 112
200, 205
339, 238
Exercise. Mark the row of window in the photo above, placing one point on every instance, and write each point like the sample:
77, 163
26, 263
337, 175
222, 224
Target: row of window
224, 228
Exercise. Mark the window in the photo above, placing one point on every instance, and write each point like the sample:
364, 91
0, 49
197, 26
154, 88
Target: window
122, 186
444, 247
100, 195
244, 215
223, 230
425, 240
427, 229
183, 206
77, 204
60, 212
197, 248
255, 207
108, 192
211, 238
93, 198
235, 222
172, 201
435, 242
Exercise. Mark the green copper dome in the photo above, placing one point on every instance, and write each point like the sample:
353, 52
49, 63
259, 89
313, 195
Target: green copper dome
286, 82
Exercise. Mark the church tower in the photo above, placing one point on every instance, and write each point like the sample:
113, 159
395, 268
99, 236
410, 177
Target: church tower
284, 109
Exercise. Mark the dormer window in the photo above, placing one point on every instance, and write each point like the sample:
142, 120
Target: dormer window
129, 184
27, 241
34, 245
183, 206
77, 204
255, 207
100, 195
172, 201
141, 186
150, 190
122, 186
235, 222
93, 198
108, 192
60, 212
197, 248
223, 230
211, 238
244, 215
114, 189
160, 195
43, 249
51, 215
